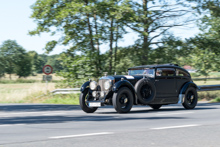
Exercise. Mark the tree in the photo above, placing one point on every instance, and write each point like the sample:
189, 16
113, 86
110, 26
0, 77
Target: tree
87, 24
56, 62
77, 69
84, 24
13, 58
23, 65
2, 68
205, 55
8, 52
152, 19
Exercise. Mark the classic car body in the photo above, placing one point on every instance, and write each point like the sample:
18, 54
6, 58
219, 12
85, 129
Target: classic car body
153, 85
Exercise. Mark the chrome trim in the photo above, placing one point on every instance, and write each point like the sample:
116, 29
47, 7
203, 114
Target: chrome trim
107, 78
181, 98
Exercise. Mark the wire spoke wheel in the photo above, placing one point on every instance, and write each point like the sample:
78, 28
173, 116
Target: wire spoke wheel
83, 100
123, 100
191, 98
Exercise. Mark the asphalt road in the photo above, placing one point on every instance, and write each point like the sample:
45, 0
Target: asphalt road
66, 125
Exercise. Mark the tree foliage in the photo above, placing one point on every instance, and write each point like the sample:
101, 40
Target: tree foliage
205, 54
14, 59
85, 25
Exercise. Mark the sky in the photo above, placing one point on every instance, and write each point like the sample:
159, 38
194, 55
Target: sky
15, 23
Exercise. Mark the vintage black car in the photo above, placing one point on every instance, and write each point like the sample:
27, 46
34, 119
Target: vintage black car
153, 85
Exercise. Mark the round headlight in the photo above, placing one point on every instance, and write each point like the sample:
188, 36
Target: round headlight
94, 93
93, 85
107, 85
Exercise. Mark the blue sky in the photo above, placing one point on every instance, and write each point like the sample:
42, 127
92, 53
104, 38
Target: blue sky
15, 23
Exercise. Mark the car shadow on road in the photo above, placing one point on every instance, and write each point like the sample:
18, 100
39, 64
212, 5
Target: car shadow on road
37, 107
75, 119
148, 110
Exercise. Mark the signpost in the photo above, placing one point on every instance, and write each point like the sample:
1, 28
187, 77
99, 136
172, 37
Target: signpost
47, 69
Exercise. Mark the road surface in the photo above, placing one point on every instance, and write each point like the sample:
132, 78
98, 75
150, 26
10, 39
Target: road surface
43, 125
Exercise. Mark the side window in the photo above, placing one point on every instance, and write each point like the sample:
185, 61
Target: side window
165, 72
181, 73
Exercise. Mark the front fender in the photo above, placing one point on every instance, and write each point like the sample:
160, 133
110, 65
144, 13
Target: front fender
184, 88
125, 83
84, 86
120, 84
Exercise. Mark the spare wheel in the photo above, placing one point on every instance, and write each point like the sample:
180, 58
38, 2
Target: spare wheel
145, 90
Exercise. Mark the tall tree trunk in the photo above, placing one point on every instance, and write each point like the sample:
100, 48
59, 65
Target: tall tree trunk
145, 50
97, 39
111, 45
97, 46
116, 46
91, 39
89, 28
90, 33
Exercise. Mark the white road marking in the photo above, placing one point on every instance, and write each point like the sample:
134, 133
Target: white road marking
174, 113
49, 114
31, 113
81, 135
174, 127
11, 125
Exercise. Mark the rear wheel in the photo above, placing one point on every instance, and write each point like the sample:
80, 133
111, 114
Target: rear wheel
84, 97
155, 106
123, 100
191, 98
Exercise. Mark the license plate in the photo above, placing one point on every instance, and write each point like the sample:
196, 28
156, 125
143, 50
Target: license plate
94, 104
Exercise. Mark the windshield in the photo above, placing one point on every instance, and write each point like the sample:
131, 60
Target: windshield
147, 72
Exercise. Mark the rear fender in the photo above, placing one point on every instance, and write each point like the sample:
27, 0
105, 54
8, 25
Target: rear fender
183, 90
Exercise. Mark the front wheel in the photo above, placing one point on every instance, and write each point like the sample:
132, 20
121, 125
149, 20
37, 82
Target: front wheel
84, 97
123, 100
191, 98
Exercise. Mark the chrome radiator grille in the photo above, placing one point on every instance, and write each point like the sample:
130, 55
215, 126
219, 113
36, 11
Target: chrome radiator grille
101, 84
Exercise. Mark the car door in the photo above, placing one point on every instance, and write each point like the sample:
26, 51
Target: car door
182, 77
165, 82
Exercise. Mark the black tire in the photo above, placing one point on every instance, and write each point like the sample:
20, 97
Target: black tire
191, 98
123, 100
155, 106
82, 100
145, 90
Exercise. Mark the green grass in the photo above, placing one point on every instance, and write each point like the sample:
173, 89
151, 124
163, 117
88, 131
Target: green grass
13, 93
72, 99
41, 97
18, 81
208, 95
216, 100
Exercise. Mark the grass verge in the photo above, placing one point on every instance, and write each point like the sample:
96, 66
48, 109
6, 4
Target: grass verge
208, 95
216, 100
40, 97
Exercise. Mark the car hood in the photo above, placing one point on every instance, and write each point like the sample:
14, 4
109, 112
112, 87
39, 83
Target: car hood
119, 77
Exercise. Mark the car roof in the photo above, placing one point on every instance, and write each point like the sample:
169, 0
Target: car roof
155, 66
159, 66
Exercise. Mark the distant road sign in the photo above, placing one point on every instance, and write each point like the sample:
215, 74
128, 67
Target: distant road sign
47, 77
47, 69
